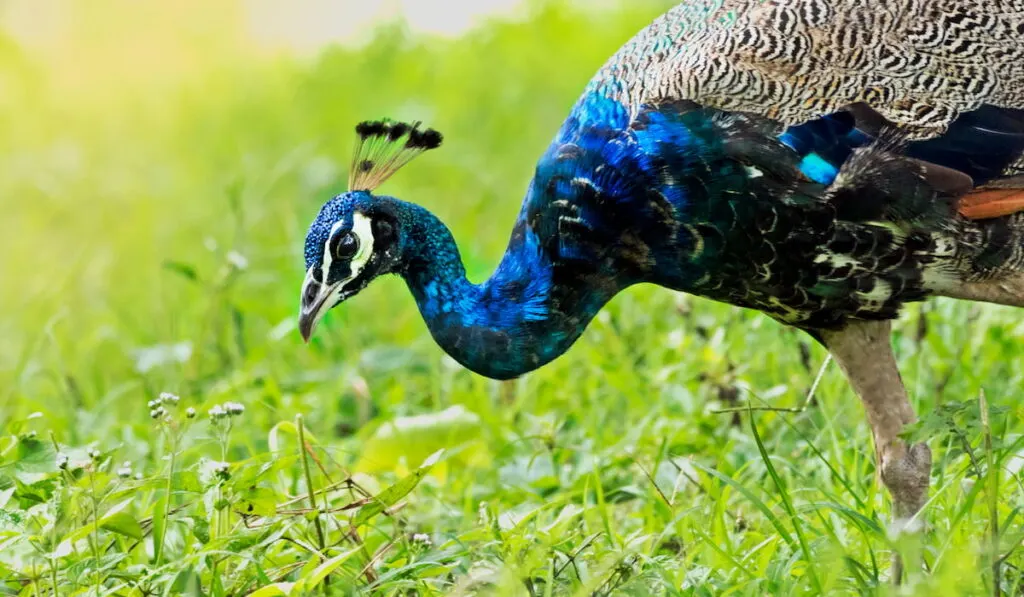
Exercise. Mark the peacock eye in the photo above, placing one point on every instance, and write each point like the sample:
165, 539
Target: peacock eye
346, 246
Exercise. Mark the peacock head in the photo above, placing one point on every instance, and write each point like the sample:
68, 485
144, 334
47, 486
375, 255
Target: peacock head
354, 237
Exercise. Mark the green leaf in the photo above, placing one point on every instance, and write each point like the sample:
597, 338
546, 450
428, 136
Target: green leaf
399, 443
280, 589
312, 580
119, 521
29, 494
186, 481
247, 473
390, 496
182, 269
159, 509
122, 523
35, 456
258, 501
201, 529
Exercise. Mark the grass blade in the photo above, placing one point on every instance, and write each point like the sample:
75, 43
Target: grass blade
788, 504
753, 499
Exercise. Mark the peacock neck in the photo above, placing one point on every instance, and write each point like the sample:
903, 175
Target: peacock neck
525, 315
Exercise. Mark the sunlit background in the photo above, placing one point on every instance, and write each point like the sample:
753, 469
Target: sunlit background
138, 133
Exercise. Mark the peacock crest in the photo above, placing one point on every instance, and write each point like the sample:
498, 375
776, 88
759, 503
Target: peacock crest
383, 147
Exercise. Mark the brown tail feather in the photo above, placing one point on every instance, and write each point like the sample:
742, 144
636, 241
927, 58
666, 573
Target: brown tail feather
984, 204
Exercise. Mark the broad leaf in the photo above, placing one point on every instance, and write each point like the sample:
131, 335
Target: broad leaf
399, 443
123, 524
308, 583
390, 496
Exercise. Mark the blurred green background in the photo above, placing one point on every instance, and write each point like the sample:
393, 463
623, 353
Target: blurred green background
149, 146
159, 165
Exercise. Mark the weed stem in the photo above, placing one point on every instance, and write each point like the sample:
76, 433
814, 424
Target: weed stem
300, 429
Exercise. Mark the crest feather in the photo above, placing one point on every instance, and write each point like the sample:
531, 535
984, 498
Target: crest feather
383, 147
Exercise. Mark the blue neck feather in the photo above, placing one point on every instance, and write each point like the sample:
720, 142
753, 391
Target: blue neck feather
514, 322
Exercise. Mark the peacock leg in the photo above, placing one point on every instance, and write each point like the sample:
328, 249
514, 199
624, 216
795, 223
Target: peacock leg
864, 352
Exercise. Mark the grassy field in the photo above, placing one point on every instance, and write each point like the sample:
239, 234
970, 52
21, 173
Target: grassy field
156, 185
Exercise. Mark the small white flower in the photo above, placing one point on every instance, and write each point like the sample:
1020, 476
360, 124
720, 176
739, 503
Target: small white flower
168, 398
234, 409
93, 453
217, 412
125, 471
138, 476
190, 412
157, 412
62, 460
153, 404
422, 540
237, 260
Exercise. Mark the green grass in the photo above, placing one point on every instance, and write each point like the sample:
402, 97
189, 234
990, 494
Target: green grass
151, 242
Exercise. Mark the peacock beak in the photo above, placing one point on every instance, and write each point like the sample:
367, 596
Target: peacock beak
315, 302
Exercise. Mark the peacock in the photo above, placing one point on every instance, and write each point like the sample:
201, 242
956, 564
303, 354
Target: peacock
822, 161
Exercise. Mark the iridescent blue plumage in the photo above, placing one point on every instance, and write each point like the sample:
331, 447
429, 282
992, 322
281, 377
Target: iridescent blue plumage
981, 143
841, 216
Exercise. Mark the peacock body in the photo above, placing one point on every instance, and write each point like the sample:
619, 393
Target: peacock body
822, 161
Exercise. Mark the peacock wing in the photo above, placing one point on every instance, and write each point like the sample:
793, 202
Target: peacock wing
946, 75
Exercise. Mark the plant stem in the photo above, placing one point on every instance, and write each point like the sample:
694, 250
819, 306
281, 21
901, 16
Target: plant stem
167, 495
311, 491
53, 574
992, 490
95, 527
220, 514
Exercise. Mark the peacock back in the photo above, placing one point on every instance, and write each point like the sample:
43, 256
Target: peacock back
813, 159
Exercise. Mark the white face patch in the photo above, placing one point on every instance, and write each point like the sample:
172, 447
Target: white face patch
363, 229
